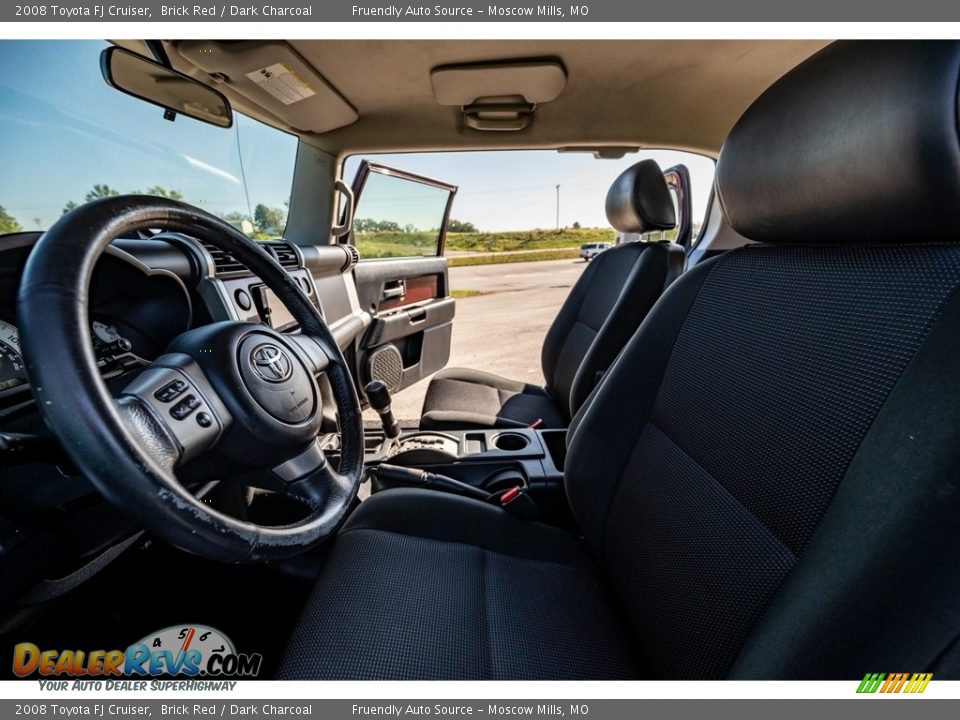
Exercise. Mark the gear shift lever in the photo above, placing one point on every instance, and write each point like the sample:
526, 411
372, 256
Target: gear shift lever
379, 397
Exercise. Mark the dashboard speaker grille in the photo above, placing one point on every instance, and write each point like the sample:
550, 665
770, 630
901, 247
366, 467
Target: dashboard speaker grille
385, 363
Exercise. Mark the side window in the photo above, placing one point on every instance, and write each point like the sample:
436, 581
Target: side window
399, 214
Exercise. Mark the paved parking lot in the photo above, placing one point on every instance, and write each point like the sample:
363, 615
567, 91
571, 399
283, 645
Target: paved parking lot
502, 330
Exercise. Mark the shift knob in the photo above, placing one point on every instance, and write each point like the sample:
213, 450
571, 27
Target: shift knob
378, 395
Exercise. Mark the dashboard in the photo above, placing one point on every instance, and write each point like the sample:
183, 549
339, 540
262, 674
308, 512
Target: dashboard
113, 349
56, 529
147, 291
13, 372
144, 292
135, 311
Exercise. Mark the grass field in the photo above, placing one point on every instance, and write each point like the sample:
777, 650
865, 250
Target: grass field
527, 240
530, 243
513, 257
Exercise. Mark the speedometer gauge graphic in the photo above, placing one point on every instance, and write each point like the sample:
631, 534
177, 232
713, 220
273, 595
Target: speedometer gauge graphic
181, 638
193, 650
13, 373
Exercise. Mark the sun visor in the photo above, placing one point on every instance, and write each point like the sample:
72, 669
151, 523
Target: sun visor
273, 76
501, 95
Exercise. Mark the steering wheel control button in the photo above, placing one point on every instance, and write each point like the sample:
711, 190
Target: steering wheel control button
204, 420
277, 379
185, 407
244, 301
170, 391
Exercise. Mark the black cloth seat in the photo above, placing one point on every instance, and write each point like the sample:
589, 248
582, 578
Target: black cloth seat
604, 308
766, 484
464, 398
485, 597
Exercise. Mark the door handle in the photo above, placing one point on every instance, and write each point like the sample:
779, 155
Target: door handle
395, 289
417, 316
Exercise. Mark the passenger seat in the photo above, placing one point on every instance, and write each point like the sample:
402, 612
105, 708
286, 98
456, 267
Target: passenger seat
602, 312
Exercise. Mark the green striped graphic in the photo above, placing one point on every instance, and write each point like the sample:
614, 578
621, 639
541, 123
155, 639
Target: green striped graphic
871, 682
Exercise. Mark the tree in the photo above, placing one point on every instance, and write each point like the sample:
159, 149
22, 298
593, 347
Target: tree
163, 192
71, 205
268, 220
8, 223
101, 191
371, 225
576, 225
460, 226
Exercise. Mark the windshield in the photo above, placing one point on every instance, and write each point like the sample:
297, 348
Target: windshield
66, 138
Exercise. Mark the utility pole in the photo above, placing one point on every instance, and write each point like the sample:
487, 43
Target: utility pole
558, 207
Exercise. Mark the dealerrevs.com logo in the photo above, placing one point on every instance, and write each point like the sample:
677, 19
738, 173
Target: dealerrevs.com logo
185, 650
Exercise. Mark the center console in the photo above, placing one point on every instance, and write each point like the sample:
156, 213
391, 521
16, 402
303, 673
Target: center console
491, 460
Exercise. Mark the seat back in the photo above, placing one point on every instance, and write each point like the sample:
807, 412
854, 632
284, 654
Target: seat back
615, 292
770, 472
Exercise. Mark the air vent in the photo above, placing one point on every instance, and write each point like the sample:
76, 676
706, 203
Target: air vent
285, 253
224, 263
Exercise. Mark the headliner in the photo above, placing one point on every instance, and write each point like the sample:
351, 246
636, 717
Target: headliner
683, 94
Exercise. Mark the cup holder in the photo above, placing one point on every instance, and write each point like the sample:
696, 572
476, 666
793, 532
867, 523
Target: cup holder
510, 442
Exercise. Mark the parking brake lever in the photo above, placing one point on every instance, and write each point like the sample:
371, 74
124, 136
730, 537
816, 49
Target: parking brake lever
514, 500
396, 475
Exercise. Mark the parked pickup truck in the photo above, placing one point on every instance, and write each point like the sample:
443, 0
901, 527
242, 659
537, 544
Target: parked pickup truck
588, 251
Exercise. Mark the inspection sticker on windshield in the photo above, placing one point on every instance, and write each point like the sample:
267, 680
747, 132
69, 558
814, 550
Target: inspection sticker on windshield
282, 82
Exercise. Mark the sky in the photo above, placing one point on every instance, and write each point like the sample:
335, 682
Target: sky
63, 130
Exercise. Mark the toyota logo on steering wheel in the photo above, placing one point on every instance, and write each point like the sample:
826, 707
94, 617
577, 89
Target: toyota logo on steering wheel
271, 363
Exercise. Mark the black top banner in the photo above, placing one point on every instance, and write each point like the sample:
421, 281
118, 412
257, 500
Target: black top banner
483, 11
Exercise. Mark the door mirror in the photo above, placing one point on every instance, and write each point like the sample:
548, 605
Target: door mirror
399, 214
678, 181
176, 93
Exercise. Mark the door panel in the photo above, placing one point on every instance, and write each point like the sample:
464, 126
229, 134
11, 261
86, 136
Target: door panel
400, 222
412, 326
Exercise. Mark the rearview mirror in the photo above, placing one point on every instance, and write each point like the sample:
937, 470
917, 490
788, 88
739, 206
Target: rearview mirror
176, 93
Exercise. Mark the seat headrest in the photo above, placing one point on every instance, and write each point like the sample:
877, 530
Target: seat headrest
639, 200
857, 144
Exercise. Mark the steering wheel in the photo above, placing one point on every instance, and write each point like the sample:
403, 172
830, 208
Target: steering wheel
243, 388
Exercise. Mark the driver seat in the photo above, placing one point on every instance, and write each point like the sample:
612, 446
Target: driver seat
767, 482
